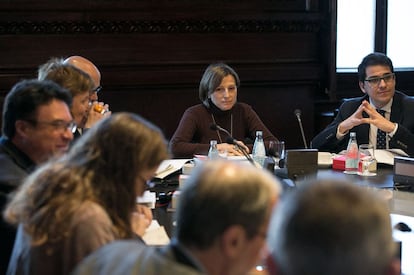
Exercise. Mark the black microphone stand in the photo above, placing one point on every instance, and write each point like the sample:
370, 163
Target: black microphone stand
298, 113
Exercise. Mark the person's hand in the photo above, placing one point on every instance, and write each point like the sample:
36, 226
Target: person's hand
374, 118
232, 150
377, 119
354, 120
141, 220
97, 111
241, 144
144, 210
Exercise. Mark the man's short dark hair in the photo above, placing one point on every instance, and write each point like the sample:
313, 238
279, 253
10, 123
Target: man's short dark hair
373, 59
24, 99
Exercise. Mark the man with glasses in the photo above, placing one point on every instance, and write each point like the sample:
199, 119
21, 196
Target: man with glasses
97, 109
383, 116
88, 67
81, 86
37, 125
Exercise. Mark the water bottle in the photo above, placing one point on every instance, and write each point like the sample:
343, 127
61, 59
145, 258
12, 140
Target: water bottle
259, 151
351, 160
213, 152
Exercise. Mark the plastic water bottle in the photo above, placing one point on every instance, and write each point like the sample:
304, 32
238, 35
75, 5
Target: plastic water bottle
351, 160
213, 152
259, 151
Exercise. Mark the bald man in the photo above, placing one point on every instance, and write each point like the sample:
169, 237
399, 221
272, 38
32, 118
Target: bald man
85, 65
88, 67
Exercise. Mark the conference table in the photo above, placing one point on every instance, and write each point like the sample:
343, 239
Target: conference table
400, 202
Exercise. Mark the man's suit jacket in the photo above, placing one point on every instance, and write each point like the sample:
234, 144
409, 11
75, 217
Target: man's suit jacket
14, 168
402, 112
132, 257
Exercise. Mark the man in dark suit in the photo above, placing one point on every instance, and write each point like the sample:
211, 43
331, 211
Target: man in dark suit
37, 125
392, 129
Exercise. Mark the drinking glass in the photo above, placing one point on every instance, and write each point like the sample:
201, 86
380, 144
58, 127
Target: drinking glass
277, 150
367, 164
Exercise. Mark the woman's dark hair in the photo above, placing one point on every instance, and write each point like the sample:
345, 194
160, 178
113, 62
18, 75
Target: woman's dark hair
212, 78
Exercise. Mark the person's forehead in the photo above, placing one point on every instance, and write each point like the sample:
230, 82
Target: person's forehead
54, 110
377, 69
228, 78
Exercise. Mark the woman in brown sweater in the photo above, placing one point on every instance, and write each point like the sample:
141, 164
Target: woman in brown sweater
218, 94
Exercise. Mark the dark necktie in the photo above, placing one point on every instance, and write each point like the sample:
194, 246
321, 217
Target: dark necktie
381, 135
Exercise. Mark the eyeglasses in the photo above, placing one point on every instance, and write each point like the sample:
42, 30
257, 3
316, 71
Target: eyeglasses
97, 89
375, 81
230, 89
57, 125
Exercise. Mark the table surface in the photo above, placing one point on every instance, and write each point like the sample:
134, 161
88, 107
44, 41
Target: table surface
401, 204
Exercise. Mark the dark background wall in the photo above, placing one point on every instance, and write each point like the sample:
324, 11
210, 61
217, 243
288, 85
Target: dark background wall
152, 53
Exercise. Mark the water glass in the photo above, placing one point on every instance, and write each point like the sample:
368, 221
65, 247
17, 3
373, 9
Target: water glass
277, 150
367, 164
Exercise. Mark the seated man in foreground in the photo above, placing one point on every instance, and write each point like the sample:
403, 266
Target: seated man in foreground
222, 219
329, 227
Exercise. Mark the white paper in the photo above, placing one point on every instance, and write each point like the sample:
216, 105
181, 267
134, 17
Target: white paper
156, 234
148, 199
169, 166
387, 156
325, 159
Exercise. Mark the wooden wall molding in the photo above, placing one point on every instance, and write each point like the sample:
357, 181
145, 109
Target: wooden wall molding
152, 53
167, 26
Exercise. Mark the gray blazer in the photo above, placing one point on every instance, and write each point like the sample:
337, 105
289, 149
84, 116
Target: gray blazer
132, 257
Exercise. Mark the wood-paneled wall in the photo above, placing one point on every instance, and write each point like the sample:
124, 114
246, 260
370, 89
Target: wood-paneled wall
152, 53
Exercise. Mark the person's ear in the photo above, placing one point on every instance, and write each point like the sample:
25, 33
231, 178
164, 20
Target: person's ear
361, 86
22, 128
233, 241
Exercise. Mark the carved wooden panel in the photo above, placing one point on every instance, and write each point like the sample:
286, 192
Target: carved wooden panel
152, 53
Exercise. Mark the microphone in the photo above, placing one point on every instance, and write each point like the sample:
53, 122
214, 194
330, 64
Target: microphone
215, 127
232, 140
298, 113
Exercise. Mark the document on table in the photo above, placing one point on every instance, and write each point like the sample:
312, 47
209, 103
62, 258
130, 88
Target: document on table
169, 166
325, 159
387, 156
156, 234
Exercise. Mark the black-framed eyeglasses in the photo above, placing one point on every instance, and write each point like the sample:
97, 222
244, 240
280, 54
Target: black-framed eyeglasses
97, 89
375, 81
57, 125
